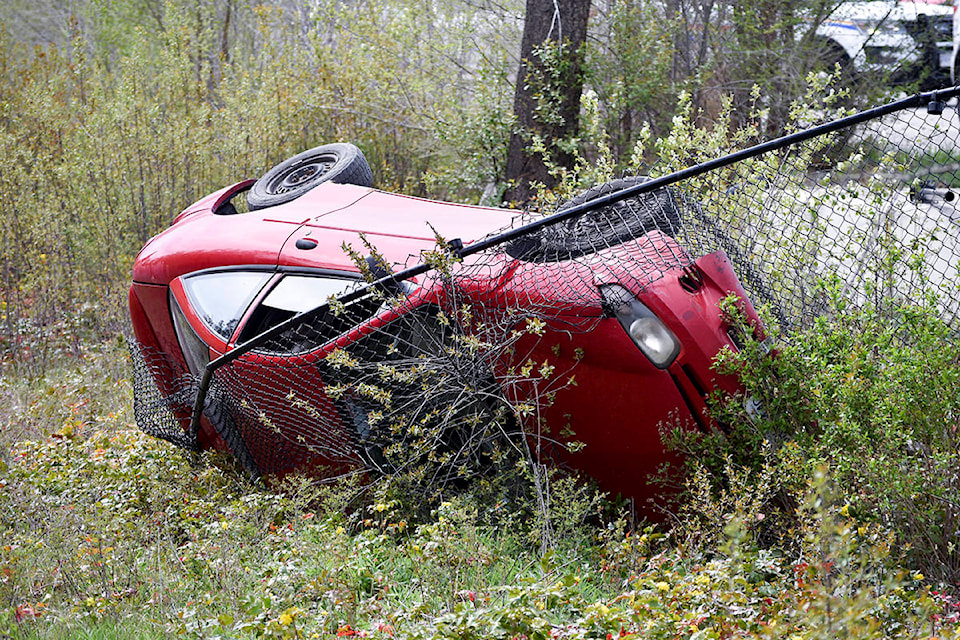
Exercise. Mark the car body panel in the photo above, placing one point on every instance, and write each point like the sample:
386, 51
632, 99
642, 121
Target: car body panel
397, 251
619, 398
204, 240
150, 314
393, 214
400, 227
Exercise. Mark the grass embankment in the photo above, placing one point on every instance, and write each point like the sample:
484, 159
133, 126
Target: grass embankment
110, 534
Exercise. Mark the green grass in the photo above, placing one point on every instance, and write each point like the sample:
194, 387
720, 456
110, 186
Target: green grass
103, 630
110, 534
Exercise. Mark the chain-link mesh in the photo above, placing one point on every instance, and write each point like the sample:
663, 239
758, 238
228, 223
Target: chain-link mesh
869, 210
163, 396
441, 370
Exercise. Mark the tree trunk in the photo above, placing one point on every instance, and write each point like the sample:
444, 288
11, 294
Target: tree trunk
547, 98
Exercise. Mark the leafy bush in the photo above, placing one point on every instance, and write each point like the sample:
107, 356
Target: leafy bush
867, 393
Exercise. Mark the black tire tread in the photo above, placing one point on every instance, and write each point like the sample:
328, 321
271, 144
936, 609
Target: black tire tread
604, 226
351, 167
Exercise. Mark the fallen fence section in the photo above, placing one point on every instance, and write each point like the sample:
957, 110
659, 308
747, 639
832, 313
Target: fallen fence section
863, 208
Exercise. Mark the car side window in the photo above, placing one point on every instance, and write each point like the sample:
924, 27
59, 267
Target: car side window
293, 294
220, 299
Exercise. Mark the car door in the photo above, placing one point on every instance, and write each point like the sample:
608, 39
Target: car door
312, 397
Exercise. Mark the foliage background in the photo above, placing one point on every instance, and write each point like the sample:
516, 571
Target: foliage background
116, 115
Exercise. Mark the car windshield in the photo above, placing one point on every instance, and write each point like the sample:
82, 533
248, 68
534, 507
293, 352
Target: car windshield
293, 294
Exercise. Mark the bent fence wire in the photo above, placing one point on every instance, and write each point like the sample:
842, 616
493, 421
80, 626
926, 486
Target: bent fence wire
440, 364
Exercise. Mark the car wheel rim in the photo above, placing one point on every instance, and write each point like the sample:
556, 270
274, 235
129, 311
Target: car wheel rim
300, 175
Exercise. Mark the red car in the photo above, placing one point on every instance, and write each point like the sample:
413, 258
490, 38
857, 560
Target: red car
607, 328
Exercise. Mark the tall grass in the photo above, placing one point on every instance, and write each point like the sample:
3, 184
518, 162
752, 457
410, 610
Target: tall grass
105, 533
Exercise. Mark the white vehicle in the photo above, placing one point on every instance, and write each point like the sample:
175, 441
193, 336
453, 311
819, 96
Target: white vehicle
887, 34
955, 58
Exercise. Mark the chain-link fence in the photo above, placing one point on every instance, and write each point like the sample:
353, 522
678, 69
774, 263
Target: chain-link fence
442, 365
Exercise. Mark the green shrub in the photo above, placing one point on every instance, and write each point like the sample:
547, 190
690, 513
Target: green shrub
109, 533
871, 395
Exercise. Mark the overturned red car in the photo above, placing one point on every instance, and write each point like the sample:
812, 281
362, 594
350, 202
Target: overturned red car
597, 330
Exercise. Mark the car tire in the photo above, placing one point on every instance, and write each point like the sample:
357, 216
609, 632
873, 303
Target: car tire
834, 55
660, 210
603, 227
341, 162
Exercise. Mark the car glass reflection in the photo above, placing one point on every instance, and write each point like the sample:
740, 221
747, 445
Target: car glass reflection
302, 293
292, 295
219, 299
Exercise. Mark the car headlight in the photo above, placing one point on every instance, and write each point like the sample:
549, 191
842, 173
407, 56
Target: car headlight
196, 353
647, 331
